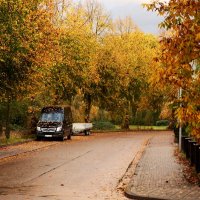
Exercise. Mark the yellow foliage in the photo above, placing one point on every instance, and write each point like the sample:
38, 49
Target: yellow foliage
180, 56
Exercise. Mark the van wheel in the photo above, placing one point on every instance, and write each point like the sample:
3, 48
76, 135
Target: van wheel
60, 139
38, 138
69, 137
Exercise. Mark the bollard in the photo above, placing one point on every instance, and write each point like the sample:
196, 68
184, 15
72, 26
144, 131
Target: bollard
196, 146
187, 147
197, 160
192, 152
183, 143
176, 134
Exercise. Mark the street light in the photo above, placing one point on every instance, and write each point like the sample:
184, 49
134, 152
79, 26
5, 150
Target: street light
180, 121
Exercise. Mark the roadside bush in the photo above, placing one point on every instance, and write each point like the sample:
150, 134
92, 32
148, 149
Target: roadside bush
16, 127
162, 123
103, 125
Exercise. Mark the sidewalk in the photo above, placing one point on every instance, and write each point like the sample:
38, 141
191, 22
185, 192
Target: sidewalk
159, 175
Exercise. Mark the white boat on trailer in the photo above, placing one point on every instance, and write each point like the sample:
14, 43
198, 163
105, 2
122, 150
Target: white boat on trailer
82, 128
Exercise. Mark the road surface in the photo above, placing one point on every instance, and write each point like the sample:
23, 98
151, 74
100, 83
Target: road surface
83, 168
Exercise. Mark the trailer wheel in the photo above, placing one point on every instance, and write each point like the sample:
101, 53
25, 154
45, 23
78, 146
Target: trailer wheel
87, 132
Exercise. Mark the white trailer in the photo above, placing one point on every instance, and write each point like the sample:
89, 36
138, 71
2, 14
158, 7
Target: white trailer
81, 128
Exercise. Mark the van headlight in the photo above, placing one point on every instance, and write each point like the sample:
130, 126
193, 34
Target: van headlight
59, 128
38, 128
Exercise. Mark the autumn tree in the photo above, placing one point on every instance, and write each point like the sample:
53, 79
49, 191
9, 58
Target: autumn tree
26, 35
75, 72
180, 57
97, 17
142, 49
53, 52
99, 22
124, 68
124, 26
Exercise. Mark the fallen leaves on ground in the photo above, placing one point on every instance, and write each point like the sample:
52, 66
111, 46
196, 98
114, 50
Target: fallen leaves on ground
188, 171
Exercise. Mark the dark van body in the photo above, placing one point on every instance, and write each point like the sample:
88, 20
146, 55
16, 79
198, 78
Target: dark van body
55, 122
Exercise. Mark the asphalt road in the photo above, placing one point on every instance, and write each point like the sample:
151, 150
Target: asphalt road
83, 168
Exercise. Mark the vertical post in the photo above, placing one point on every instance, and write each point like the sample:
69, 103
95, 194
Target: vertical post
180, 135
180, 121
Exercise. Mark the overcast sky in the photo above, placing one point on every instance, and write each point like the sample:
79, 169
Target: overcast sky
146, 21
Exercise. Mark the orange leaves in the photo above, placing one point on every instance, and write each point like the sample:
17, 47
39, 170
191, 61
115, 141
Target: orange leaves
198, 37
180, 55
28, 42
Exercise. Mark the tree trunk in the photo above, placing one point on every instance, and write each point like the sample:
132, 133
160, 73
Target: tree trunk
7, 132
88, 105
1, 128
126, 121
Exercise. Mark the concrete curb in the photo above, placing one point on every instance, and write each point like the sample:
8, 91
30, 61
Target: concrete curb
132, 195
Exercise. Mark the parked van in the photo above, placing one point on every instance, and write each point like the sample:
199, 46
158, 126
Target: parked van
55, 122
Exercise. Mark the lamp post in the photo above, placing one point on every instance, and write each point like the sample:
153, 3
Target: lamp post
180, 121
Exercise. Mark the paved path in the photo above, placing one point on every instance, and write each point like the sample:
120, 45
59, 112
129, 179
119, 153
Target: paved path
159, 175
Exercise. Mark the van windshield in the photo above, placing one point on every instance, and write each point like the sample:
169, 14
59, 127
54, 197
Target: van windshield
51, 117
